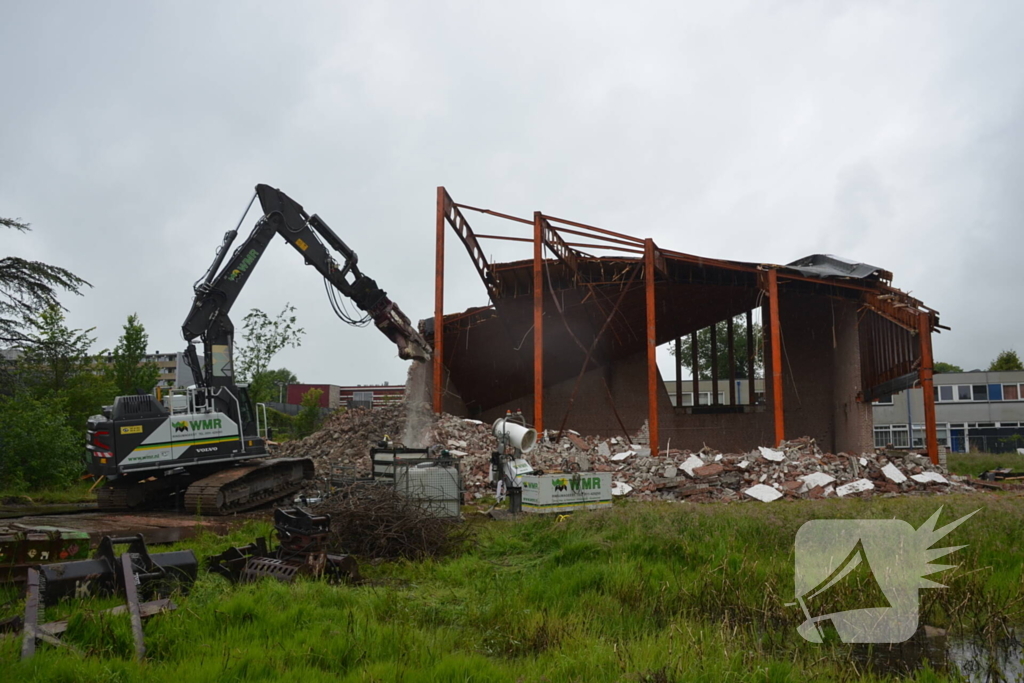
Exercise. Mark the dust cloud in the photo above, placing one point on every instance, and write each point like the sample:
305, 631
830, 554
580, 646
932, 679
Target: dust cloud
419, 415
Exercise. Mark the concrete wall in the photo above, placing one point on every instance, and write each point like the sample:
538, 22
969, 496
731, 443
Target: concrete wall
852, 417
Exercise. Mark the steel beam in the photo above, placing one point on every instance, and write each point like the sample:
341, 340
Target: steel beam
714, 365
777, 404
679, 372
731, 355
438, 399
652, 349
751, 351
694, 359
925, 372
538, 323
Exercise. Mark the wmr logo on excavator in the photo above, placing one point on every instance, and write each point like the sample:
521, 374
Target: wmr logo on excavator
244, 265
197, 425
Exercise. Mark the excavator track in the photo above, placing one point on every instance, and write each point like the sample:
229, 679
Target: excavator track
241, 488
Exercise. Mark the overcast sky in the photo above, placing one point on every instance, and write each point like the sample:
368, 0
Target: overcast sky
887, 132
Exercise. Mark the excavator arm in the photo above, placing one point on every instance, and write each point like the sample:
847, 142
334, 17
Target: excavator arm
217, 291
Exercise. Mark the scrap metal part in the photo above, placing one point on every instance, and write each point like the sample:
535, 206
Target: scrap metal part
134, 573
28, 547
302, 552
157, 573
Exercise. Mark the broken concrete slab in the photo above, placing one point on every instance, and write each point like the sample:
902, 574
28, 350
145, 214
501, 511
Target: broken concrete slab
763, 493
855, 487
893, 474
771, 454
817, 479
692, 463
929, 478
620, 488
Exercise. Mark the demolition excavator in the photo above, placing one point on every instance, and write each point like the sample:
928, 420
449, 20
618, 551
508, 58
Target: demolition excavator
206, 446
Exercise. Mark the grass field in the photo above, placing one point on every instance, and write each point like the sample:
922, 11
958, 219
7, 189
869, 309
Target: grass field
643, 592
973, 464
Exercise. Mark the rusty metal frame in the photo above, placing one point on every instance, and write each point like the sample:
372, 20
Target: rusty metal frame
652, 350
438, 391
695, 360
751, 355
925, 373
714, 365
892, 346
538, 323
778, 408
451, 213
730, 340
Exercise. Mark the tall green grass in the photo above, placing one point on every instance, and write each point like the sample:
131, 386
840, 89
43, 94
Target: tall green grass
973, 464
642, 592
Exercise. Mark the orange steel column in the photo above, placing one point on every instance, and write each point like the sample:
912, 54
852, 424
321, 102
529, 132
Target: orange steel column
538, 325
439, 305
773, 305
652, 349
924, 333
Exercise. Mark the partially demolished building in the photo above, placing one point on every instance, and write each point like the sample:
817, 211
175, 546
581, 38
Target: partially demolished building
570, 338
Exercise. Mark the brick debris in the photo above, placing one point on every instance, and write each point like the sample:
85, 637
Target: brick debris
798, 468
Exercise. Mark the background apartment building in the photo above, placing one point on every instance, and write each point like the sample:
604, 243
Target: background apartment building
982, 411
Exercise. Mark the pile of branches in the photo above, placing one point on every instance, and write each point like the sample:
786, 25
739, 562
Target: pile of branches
373, 520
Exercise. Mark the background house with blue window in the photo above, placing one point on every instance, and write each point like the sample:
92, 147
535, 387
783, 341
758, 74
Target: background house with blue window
982, 411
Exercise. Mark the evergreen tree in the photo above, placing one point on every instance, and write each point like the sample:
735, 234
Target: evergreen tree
130, 371
27, 287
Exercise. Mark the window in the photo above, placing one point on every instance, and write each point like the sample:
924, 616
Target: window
945, 393
942, 434
882, 437
995, 392
362, 396
884, 400
1010, 392
963, 392
687, 398
979, 392
900, 436
918, 436
705, 398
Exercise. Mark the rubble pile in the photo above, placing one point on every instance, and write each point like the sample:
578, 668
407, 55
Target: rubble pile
345, 438
797, 469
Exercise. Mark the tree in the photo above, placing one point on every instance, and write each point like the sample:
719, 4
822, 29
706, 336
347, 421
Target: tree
27, 287
264, 338
39, 448
54, 354
946, 367
721, 334
308, 419
1006, 360
130, 372
272, 382
57, 362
